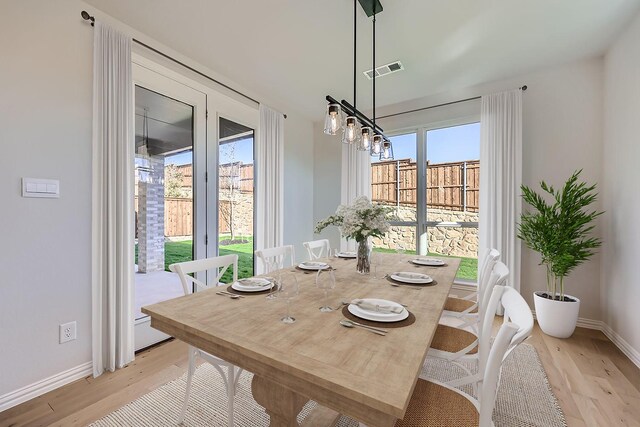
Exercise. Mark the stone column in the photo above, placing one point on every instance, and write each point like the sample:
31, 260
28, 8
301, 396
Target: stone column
151, 218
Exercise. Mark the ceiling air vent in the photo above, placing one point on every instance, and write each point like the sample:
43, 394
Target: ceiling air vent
383, 70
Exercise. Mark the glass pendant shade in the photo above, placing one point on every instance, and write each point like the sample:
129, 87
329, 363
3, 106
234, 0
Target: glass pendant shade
333, 119
365, 141
376, 145
387, 151
351, 131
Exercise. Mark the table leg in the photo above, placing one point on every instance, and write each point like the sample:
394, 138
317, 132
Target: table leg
281, 404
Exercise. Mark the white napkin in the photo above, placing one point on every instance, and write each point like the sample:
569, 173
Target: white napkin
315, 264
376, 307
413, 276
253, 282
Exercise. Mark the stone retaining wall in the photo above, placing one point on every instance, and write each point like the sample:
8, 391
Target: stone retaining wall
455, 241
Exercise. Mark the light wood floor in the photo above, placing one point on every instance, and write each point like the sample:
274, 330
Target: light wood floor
594, 382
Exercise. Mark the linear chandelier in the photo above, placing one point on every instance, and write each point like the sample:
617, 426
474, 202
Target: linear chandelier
357, 128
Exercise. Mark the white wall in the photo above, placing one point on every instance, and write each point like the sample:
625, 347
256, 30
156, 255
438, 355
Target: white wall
45, 132
562, 132
327, 164
621, 252
299, 184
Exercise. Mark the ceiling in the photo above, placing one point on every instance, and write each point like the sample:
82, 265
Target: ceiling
294, 52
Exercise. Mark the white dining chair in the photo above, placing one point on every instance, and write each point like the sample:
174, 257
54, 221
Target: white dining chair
436, 404
317, 248
455, 344
229, 372
276, 258
517, 311
465, 310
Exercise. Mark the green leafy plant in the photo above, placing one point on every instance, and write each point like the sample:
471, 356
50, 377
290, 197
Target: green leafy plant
560, 229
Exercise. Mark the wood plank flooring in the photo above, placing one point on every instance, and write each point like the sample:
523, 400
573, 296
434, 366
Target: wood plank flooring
594, 382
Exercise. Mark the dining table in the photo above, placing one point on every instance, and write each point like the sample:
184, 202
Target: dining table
350, 371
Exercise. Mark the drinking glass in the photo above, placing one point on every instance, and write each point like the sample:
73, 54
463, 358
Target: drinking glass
333, 253
288, 290
325, 280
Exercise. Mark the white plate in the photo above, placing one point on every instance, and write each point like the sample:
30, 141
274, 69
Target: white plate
434, 262
376, 316
252, 284
346, 255
415, 278
313, 265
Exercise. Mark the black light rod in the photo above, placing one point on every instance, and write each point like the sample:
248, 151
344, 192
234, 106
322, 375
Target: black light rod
348, 108
363, 118
85, 15
352, 112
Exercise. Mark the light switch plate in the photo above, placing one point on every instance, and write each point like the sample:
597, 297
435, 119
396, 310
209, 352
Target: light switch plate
41, 188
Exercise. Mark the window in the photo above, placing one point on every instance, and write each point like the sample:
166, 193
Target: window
435, 201
453, 195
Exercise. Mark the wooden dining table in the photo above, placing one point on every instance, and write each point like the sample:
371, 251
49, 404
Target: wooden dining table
346, 370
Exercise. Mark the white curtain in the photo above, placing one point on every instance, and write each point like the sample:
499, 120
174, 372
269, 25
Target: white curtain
112, 199
501, 177
355, 181
270, 174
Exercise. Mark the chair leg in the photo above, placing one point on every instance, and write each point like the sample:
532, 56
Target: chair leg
231, 391
190, 371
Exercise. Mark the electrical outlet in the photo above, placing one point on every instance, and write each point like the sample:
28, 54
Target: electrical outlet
67, 332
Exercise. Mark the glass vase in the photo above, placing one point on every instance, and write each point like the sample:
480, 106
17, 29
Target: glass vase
364, 261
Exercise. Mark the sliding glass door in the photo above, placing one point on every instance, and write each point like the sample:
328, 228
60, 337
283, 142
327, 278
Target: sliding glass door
169, 192
236, 194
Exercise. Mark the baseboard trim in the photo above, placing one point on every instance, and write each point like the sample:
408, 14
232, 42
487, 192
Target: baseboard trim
617, 340
624, 346
41, 387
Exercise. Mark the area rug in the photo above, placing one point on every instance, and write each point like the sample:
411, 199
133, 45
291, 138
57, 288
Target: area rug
524, 399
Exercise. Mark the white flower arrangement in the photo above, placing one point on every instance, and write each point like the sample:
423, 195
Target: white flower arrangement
358, 221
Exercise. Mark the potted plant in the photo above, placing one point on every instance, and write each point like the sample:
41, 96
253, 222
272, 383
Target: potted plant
559, 230
359, 221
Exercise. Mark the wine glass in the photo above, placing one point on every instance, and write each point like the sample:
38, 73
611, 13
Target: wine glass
272, 266
326, 280
374, 261
287, 291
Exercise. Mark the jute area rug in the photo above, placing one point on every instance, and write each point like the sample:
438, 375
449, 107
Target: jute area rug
524, 399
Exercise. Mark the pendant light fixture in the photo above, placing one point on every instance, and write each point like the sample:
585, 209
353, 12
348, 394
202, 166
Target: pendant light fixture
333, 120
357, 128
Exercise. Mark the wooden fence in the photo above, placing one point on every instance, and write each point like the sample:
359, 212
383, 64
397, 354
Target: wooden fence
452, 186
178, 217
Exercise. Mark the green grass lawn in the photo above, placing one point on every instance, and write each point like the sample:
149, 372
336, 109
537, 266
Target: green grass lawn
468, 266
182, 251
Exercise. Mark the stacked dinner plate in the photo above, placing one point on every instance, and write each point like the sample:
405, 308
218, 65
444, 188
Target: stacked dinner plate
411, 278
346, 255
431, 262
378, 310
252, 284
313, 265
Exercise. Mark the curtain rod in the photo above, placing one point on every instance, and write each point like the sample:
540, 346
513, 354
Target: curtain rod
522, 88
85, 15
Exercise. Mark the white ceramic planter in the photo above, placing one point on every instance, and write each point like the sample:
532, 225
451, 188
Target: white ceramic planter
556, 318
